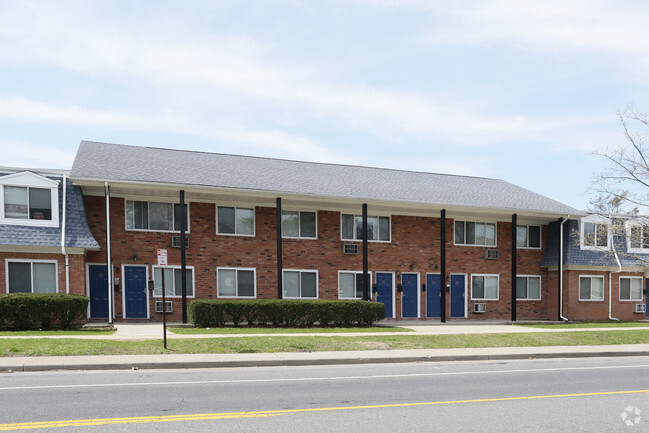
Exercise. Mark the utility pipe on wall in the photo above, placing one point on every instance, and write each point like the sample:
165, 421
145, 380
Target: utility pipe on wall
562, 222
63, 251
109, 264
610, 278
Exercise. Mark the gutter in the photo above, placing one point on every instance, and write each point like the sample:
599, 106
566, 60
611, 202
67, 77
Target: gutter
561, 269
63, 251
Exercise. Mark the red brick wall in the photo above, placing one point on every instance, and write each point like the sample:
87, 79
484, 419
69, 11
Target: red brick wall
415, 247
76, 269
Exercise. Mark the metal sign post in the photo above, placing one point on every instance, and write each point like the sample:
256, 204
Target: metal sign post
162, 262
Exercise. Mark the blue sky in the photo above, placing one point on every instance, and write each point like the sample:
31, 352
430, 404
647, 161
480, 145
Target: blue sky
523, 91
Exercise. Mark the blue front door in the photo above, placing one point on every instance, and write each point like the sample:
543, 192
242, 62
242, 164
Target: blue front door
98, 291
458, 289
433, 295
409, 301
135, 296
384, 292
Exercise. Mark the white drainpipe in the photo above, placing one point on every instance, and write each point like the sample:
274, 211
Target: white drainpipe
63, 251
610, 277
561, 269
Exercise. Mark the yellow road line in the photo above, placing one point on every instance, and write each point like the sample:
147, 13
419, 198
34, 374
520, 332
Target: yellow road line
268, 413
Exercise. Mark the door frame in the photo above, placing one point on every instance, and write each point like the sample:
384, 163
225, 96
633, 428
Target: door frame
146, 289
418, 294
88, 288
466, 283
394, 300
441, 287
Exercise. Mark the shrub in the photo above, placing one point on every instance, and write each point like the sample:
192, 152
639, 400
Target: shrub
20, 311
284, 312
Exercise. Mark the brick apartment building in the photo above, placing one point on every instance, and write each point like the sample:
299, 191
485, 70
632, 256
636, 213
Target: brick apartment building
269, 228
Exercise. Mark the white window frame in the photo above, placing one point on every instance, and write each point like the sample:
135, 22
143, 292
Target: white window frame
640, 299
591, 289
643, 223
495, 224
228, 268
355, 233
597, 220
369, 275
28, 180
299, 218
300, 271
154, 295
254, 221
528, 289
173, 213
497, 276
527, 236
56, 272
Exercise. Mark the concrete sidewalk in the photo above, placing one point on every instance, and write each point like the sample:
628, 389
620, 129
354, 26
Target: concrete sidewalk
147, 331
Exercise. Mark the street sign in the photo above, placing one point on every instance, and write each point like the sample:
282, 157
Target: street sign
162, 257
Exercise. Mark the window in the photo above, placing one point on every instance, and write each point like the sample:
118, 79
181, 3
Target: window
300, 284
173, 282
350, 284
472, 233
378, 228
484, 287
595, 232
528, 288
528, 236
235, 221
299, 224
630, 288
31, 277
154, 216
591, 288
235, 283
29, 199
637, 233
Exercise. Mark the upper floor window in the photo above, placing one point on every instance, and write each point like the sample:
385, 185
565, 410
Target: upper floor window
235, 221
528, 236
29, 199
595, 232
637, 235
473, 233
25, 276
149, 215
299, 224
378, 228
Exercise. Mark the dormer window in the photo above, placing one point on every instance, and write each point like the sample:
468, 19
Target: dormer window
595, 233
637, 235
29, 199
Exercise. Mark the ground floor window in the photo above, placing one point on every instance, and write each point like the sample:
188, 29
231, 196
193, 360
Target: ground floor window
591, 288
528, 287
300, 284
31, 277
173, 282
630, 288
236, 283
350, 284
484, 287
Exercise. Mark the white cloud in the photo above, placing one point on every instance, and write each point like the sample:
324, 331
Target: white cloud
30, 155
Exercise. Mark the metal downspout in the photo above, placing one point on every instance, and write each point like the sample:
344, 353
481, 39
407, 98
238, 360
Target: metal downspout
109, 264
63, 251
561, 269
610, 277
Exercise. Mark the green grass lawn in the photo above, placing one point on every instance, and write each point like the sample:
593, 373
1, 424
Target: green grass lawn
81, 331
611, 324
62, 347
246, 330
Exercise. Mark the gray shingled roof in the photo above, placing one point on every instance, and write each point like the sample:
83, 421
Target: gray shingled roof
77, 232
114, 162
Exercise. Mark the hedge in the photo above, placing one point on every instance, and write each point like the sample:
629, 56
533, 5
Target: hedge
20, 311
283, 312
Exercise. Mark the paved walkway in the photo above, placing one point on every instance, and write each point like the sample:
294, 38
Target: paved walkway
145, 331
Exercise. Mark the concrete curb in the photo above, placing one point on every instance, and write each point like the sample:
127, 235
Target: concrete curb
300, 359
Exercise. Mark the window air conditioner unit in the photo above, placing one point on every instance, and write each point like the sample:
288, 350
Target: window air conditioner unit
491, 254
639, 308
350, 249
479, 307
158, 306
175, 241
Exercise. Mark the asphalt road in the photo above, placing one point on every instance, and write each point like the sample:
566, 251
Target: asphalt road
576, 395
